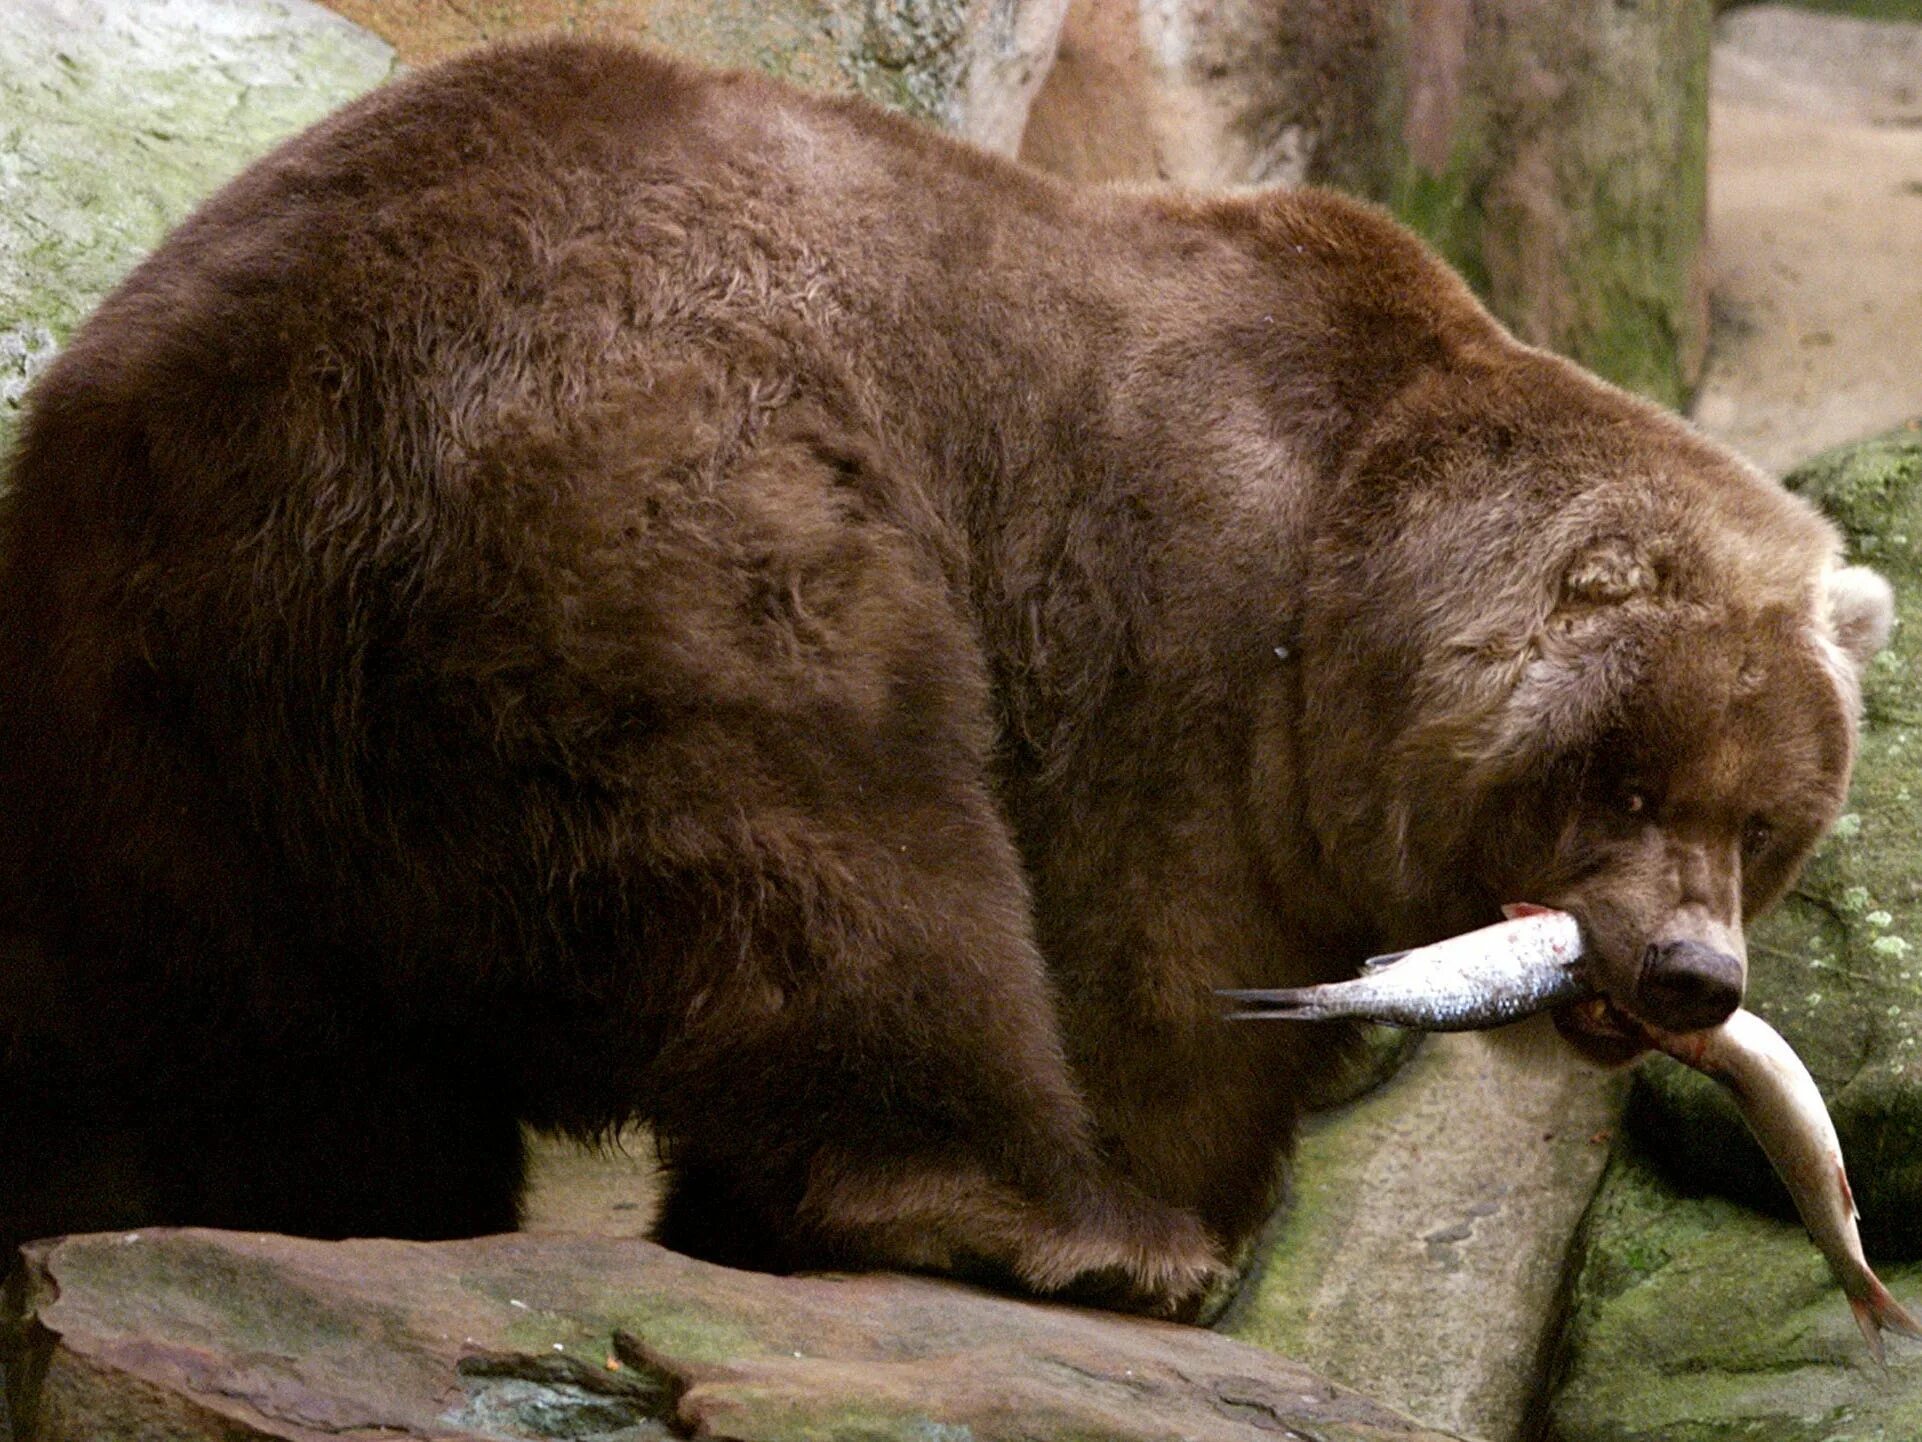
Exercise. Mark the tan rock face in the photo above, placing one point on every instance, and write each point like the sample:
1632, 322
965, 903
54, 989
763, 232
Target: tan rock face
971, 66
192, 1334
1554, 155
1815, 233
1211, 94
1421, 1252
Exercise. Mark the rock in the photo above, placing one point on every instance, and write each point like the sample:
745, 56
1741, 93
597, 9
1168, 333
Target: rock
115, 119
1816, 308
1831, 66
1837, 968
1556, 156
1420, 1257
970, 66
1206, 94
609, 1190
1559, 158
171, 1335
1905, 11
1697, 1318
1700, 1320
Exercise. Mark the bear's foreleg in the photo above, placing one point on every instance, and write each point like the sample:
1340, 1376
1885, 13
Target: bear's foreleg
867, 1068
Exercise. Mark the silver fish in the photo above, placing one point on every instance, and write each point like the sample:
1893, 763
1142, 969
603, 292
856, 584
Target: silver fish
1470, 982
1531, 962
1782, 1107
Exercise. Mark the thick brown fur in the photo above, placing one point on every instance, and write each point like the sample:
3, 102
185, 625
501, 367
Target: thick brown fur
584, 591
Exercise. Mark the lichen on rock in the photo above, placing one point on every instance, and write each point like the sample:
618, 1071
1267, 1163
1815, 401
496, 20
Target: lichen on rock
196, 1334
969, 66
1419, 1255
116, 119
1696, 1319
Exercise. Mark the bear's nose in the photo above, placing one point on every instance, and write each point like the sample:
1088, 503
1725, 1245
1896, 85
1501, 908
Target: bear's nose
1685, 986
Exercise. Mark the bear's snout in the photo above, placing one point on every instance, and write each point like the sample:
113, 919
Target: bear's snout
1686, 986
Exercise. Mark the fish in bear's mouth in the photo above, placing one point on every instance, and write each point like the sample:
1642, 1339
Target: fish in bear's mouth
1531, 963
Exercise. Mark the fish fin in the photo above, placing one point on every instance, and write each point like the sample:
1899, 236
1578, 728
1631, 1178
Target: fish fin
1891, 1313
1848, 1192
1289, 1004
1877, 1310
1865, 1318
1516, 910
1387, 958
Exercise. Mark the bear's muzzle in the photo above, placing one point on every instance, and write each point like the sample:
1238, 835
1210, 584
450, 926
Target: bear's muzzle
1686, 986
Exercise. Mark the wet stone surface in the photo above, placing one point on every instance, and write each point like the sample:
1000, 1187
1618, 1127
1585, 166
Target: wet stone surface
1420, 1254
217, 1335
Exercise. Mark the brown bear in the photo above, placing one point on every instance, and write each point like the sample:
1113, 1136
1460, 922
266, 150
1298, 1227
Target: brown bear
581, 591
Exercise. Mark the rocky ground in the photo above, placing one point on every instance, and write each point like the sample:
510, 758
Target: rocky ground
1425, 1257
221, 1335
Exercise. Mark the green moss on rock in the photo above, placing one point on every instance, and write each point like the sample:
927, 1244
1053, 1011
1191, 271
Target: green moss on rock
116, 119
1568, 181
1445, 208
1904, 11
1419, 1256
1694, 1319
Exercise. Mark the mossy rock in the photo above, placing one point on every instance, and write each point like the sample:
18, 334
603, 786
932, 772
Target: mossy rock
1696, 1319
1838, 967
1903, 11
115, 120
201, 1335
1420, 1254
1567, 178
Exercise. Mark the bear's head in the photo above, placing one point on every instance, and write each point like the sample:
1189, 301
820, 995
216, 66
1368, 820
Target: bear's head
1559, 648
1699, 751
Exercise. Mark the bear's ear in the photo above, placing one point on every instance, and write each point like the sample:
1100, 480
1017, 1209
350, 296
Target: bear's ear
1609, 571
1861, 612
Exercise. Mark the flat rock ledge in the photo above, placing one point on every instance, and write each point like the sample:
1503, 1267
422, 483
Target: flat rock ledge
175, 1334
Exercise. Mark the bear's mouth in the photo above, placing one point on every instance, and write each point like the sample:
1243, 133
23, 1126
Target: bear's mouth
1601, 1031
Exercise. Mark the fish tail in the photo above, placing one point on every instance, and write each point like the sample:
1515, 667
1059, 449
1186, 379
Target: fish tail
1300, 1003
1865, 1318
1875, 1310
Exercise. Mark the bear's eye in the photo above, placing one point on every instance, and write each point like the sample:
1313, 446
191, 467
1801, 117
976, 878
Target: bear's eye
1634, 801
1756, 836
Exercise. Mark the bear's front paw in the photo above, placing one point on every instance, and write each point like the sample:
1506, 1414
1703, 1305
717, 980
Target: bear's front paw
1122, 1250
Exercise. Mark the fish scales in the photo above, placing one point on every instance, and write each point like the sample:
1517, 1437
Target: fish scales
1471, 982
1532, 962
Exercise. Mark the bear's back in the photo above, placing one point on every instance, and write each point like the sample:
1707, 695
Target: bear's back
417, 454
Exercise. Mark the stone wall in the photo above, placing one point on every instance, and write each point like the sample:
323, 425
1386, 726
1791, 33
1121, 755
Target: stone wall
1555, 154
